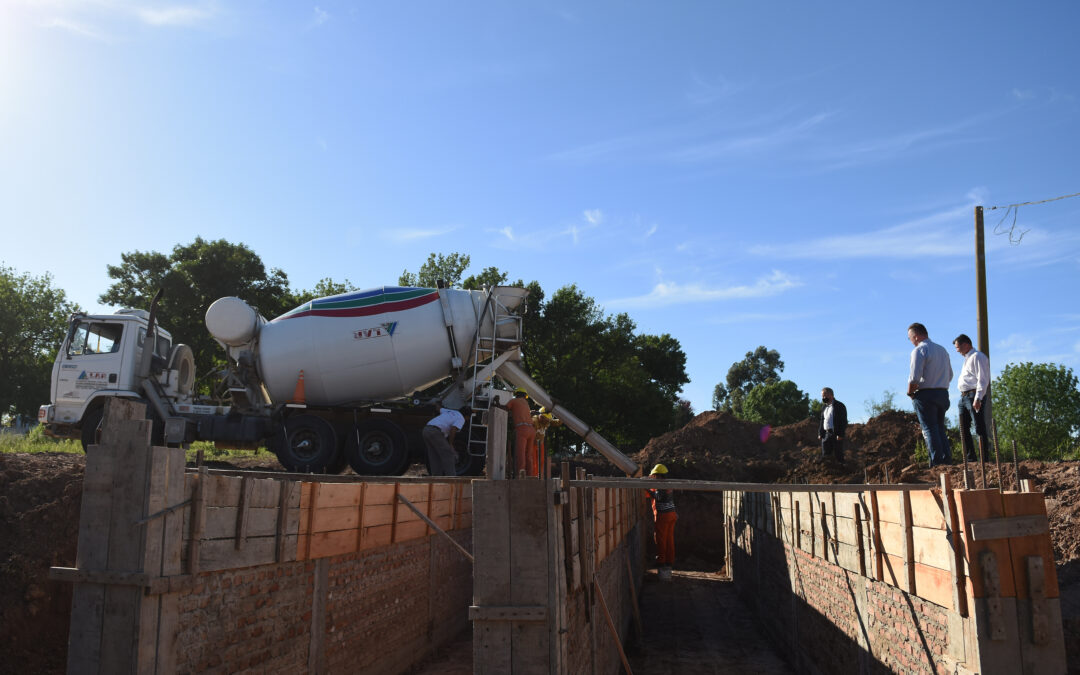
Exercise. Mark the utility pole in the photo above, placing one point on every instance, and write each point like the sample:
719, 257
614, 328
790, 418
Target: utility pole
983, 325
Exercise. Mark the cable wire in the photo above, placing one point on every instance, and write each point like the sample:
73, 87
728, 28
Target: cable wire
1014, 238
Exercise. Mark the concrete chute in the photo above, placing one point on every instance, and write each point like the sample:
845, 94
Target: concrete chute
513, 373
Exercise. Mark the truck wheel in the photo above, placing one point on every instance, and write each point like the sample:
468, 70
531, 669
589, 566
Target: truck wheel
466, 464
376, 447
91, 424
305, 444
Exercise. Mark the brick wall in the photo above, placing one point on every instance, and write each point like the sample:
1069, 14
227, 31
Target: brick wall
589, 636
385, 609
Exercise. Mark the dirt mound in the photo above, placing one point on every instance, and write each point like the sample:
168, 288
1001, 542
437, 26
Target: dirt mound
718, 446
40, 496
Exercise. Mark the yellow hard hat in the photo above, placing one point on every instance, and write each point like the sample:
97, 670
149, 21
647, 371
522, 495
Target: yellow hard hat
543, 410
659, 468
521, 390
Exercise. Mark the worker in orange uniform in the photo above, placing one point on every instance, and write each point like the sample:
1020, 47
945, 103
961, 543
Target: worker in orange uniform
542, 420
524, 432
663, 506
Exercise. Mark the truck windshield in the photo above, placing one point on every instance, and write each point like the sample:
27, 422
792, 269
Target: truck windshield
95, 338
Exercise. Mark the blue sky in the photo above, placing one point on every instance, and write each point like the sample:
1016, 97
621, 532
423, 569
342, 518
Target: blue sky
732, 173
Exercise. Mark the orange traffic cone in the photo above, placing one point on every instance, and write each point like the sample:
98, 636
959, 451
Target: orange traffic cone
298, 397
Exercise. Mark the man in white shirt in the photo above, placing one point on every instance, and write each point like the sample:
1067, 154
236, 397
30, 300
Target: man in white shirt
973, 383
439, 435
833, 426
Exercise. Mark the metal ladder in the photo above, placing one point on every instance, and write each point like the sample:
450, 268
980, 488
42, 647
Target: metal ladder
486, 347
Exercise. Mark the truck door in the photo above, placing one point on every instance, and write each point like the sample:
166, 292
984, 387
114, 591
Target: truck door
93, 361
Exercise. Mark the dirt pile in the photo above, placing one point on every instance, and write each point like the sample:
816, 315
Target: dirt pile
718, 446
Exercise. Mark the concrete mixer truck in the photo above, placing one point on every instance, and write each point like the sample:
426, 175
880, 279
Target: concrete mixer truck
330, 383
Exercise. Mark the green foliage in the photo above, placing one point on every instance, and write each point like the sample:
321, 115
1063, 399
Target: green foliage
922, 455
438, 266
35, 442
1038, 406
816, 408
624, 384
683, 413
32, 325
324, 288
758, 367
885, 404
775, 403
193, 277
491, 276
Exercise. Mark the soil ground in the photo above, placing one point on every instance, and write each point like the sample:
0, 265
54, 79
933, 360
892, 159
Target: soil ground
40, 497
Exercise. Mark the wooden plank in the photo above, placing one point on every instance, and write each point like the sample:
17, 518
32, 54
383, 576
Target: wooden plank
220, 554
935, 585
319, 596
171, 566
394, 517
227, 491
242, 513
314, 491
909, 541
281, 528
973, 505
508, 613
611, 625
875, 524
339, 494
221, 522
856, 510
1009, 528
360, 519
925, 510
929, 547
956, 561
1030, 505
496, 444
491, 576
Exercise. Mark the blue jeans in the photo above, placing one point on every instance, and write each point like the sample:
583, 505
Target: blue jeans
930, 407
967, 414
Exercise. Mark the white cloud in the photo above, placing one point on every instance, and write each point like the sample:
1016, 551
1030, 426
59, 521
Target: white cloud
651, 231
926, 237
175, 15
594, 216
406, 235
320, 17
751, 143
508, 232
76, 28
669, 293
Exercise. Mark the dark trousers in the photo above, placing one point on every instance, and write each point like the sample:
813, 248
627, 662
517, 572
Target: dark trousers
930, 407
831, 446
967, 414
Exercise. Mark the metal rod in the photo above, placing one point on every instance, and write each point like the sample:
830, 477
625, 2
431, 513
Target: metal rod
719, 486
997, 452
438, 529
1016, 466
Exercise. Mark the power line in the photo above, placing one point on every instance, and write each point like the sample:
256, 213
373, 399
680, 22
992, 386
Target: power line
1052, 199
1015, 238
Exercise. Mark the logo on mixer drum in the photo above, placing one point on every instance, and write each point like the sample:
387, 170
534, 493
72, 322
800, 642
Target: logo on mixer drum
385, 329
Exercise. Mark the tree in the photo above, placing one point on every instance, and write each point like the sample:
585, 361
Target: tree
683, 413
193, 277
324, 288
1038, 406
758, 367
886, 403
775, 403
624, 384
449, 268
32, 327
491, 276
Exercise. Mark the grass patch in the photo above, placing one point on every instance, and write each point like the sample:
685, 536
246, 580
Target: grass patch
36, 442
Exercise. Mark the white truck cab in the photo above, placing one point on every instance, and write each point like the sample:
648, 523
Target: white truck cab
99, 359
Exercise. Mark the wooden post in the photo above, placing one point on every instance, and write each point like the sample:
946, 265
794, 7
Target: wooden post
798, 525
634, 602
1016, 466
956, 562
393, 517
611, 625
360, 518
909, 541
879, 570
859, 539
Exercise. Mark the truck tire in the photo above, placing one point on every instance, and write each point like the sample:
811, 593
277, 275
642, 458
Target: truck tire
90, 431
376, 447
91, 425
305, 444
466, 464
